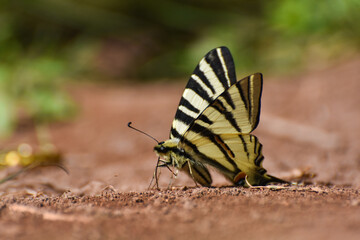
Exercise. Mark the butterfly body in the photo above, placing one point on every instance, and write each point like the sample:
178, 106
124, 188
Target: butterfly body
173, 156
213, 122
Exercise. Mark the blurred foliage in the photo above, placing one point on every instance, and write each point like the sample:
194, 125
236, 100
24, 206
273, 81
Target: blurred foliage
44, 42
32, 88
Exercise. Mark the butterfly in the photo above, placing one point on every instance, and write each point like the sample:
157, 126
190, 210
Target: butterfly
213, 125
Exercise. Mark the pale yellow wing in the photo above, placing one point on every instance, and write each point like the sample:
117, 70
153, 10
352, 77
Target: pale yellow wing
220, 135
213, 75
235, 111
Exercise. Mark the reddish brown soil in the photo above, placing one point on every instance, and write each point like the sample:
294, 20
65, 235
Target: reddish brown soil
309, 125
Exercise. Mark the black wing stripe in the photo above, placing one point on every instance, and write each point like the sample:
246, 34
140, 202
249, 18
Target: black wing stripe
262, 171
225, 146
244, 145
219, 106
184, 102
207, 159
202, 176
203, 78
256, 117
249, 94
193, 85
205, 119
229, 64
259, 159
252, 138
217, 67
215, 140
174, 133
183, 117
228, 99
242, 95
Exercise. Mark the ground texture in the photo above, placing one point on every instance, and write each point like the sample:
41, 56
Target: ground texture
310, 129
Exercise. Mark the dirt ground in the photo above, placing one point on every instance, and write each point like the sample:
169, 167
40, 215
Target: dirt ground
310, 126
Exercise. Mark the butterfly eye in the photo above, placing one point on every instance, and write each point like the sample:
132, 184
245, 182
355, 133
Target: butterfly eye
161, 149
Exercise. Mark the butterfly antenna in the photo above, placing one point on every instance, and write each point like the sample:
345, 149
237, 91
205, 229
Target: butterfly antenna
129, 125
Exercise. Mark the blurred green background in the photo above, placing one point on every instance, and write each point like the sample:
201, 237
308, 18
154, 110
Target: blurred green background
47, 43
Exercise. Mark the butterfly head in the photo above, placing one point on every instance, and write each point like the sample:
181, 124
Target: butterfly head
165, 148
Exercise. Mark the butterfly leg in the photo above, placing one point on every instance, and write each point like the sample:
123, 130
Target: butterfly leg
174, 175
156, 176
191, 173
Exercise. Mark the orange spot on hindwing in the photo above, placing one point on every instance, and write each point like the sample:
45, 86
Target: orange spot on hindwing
239, 176
224, 146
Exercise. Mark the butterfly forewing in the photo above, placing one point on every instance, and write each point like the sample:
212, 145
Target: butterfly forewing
214, 74
235, 111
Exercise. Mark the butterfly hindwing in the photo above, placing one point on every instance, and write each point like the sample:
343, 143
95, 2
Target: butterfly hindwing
235, 156
213, 75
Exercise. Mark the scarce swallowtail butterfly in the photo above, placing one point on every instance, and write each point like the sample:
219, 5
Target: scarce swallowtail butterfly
213, 125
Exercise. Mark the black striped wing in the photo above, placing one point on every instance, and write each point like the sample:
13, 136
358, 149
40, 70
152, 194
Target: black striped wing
220, 134
235, 156
235, 111
214, 75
